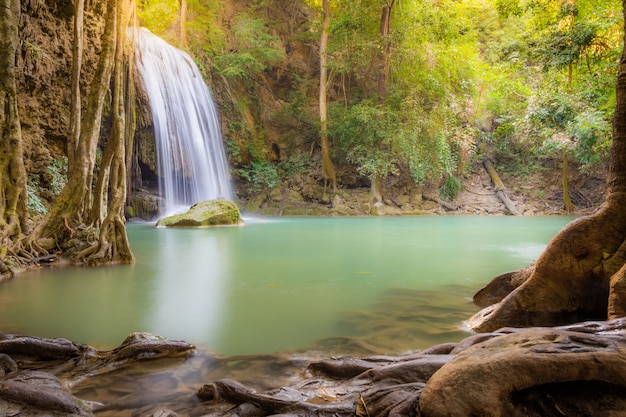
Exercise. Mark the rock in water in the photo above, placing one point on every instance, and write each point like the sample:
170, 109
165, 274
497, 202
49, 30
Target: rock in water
204, 214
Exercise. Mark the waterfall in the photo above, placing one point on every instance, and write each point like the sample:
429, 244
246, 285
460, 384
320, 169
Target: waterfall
191, 160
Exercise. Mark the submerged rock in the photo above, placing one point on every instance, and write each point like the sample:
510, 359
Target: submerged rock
37, 374
34, 393
206, 213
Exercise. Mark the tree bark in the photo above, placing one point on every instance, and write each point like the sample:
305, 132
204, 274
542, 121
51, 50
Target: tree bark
13, 192
77, 59
183, 23
328, 168
579, 271
385, 30
567, 201
113, 245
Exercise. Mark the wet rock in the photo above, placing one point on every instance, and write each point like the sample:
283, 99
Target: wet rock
39, 348
163, 413
140, 346
7, 365
143, 205
205, 213
34, 393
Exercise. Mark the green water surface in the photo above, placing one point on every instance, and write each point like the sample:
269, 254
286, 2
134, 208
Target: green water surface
387, 285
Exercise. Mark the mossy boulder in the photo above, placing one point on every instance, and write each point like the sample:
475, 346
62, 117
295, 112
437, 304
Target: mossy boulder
204, 214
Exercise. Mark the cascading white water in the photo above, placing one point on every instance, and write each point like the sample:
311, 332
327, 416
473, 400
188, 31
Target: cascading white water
190, 154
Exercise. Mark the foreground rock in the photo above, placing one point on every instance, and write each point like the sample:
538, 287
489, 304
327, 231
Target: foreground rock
573, 371
577, 370
38, 373
206, 213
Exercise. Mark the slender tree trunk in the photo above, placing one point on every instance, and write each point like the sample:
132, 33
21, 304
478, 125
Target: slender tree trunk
376, 188
385, 31
13, 193
77, 59
567, 201
328, 168
183, 23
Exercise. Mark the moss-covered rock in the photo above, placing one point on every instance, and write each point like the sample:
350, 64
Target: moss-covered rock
204, 214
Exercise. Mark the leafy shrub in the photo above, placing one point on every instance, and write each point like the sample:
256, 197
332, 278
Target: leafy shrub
450, 189
593, 136
260, 174
58, 173
34, 201
254, 51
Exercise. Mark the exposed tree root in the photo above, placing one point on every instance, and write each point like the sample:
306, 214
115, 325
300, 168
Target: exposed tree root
571, 280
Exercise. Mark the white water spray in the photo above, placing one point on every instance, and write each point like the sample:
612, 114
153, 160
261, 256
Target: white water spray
191, 160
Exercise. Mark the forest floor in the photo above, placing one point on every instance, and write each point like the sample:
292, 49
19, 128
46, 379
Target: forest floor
535, 193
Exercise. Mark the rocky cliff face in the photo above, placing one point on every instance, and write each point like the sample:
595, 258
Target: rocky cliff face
44, 71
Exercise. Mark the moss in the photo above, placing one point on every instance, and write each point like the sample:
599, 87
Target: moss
206, 213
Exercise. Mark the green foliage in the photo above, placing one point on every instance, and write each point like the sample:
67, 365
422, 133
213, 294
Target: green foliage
57, 170
55, 178
255, 49
508, 8
534, 77
260, 174
555, 110
205, 34
364, 134
297, 163
450, 189
592, 134
35, 204
157, 15
565, 46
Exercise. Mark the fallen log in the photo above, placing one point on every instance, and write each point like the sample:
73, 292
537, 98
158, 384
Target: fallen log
499, 187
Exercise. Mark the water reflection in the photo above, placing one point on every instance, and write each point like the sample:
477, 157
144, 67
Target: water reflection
191, 278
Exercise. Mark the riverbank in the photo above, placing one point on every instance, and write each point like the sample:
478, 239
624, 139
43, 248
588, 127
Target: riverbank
573, 370
538, 193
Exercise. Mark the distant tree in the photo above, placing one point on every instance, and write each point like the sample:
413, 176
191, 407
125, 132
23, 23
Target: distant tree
77, 60
328, 168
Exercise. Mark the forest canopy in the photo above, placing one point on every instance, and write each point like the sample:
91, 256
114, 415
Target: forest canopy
516, 80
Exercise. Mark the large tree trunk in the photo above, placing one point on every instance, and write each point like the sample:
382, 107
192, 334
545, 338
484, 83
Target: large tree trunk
328, 168
13, 193
572, 279
112, 245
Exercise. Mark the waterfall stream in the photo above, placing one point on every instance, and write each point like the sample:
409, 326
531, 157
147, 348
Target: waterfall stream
191, 161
